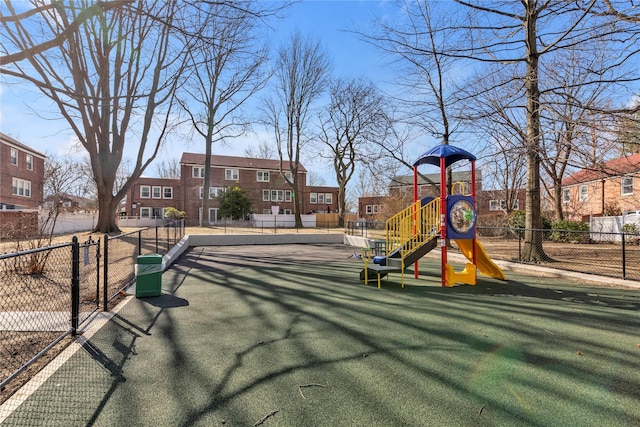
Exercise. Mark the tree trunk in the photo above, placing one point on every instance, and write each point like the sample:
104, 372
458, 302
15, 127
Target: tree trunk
557, 202
533, 251
204, 217
342, 203
297, 199
107, 206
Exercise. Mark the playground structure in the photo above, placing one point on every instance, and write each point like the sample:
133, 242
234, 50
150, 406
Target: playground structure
414, 231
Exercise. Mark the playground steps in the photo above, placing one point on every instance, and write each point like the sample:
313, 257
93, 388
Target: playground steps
394, 261
411, 234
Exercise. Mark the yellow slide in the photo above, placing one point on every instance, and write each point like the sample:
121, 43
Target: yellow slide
485, 264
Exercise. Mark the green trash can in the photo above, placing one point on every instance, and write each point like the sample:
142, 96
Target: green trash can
149, 276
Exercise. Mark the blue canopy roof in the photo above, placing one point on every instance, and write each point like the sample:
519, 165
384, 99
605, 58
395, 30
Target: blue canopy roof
450, 153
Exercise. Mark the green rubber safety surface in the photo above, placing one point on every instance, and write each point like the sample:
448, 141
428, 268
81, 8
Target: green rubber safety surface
288, 336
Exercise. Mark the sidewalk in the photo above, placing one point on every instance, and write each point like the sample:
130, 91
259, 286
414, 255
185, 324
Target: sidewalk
286, 335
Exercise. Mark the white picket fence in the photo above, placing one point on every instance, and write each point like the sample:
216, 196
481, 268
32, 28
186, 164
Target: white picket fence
609, 228
67, 223
281, 220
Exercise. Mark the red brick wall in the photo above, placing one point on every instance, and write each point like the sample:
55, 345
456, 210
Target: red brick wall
9, 171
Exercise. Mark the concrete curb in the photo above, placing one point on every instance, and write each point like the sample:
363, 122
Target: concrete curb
246, 239
541, 271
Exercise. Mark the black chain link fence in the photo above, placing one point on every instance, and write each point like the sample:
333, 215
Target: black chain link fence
606, 254
47, 293
366, 228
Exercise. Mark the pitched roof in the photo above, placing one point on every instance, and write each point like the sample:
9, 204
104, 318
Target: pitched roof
10, 141
238, 162
612, 168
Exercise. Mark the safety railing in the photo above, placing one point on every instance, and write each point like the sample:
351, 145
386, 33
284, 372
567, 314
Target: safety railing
412, 227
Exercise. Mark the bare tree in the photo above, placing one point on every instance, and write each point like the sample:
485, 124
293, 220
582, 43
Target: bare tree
427, 94
509, 36
498, 120
226, 59
16, 21
113, 78
353, 118
574, 122
315, 179
428, 99
168, 169
301, 72
264, 150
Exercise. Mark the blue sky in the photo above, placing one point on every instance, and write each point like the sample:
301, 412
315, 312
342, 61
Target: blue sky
328, 21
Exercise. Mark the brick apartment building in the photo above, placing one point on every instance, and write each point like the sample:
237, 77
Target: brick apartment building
401, 193
260, 179
491, 203
590, 191
21, 175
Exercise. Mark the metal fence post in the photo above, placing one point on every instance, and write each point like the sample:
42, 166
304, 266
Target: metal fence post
624, 258
75, 285
98, 274
105, 280
157, 239
520, 245
139, 242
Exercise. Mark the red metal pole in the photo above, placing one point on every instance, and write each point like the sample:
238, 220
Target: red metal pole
443, 220
475, 206
415, 199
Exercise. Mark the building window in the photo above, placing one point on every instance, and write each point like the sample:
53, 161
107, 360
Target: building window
197, 172
157, 213
262, 176
287, 211
266, 211
29, 162
201, 192
288, 177
287, 196
145, 192
369, 209
21, 187
376, 209
265, 196
157, 192
566, 195
583, 193
145, 213
320, 198
328, 198
277, 195
167, 192
66, 204
213, 215
626, 184
231, 174
215, 192
14, 157
494, 205
314, 198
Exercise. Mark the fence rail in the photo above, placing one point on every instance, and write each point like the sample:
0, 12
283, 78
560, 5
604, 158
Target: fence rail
602, 253
47, 293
